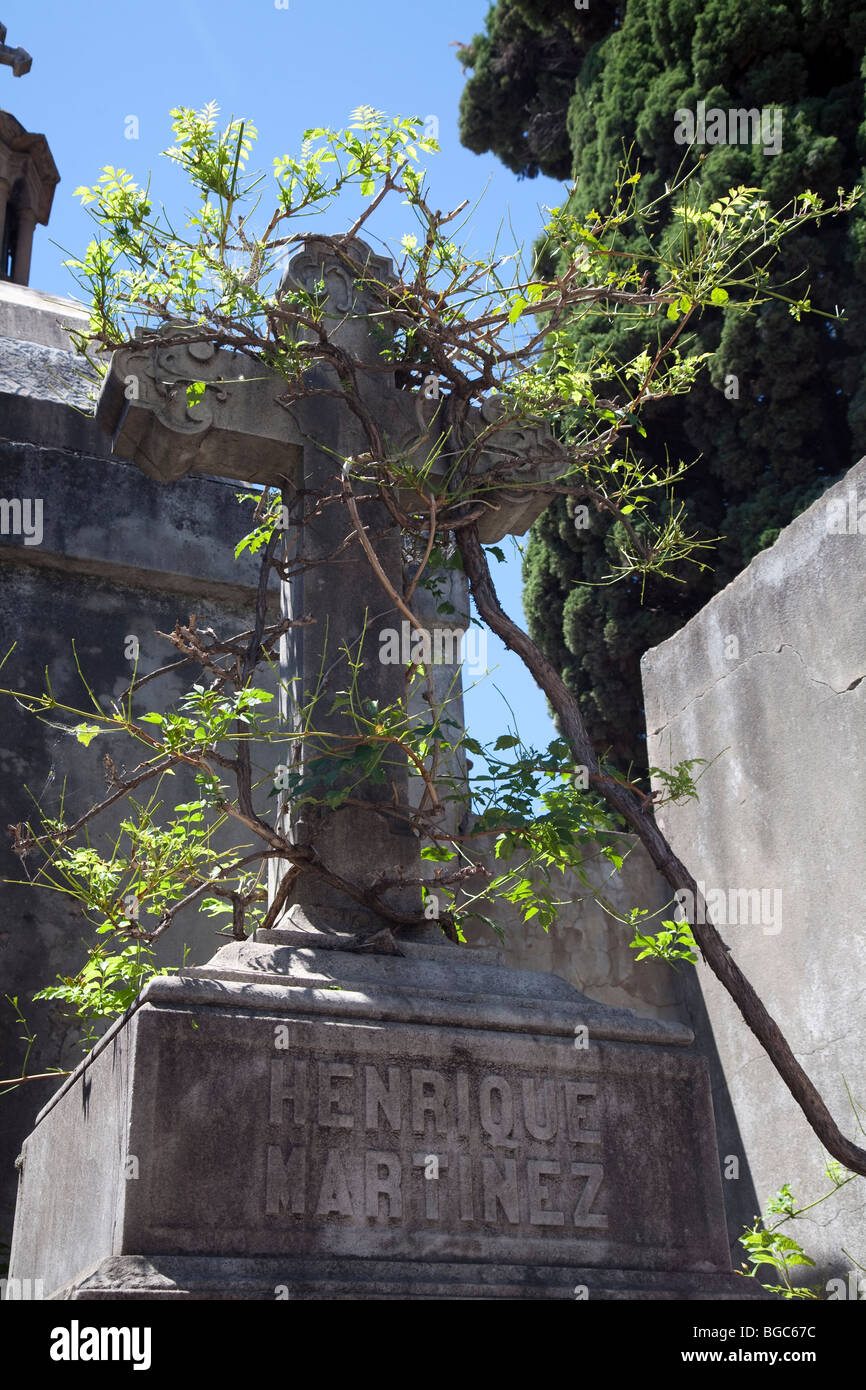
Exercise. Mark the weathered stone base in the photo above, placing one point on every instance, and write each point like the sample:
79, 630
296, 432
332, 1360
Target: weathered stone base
302, 1117
180, 1277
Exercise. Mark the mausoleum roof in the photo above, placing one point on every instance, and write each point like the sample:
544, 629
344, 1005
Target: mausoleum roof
36, 357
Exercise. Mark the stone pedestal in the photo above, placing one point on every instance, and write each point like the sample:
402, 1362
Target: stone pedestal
297, 1120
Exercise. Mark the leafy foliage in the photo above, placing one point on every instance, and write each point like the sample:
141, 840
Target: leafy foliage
766, 1246
674, 942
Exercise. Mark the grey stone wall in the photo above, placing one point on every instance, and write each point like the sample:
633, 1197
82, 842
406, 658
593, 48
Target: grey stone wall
117, 556
769, 677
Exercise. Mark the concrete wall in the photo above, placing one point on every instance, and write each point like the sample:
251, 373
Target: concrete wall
769, 676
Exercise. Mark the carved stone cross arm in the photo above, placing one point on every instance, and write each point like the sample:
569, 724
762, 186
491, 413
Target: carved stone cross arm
18, 59
236, 429
504, 464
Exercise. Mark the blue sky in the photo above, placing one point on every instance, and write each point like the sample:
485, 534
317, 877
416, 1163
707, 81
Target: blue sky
97, 64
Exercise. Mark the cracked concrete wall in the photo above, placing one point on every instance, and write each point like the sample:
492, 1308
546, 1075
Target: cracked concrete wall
768, 680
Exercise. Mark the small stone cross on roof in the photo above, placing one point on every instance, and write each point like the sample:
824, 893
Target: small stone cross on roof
18, 59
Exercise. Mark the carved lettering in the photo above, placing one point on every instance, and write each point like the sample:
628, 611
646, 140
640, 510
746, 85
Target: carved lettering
334, 1194
541, 1189
500, 1189
431, 1183
285, 1183
540, 1214
583, 1214
285, 1089
497, 1125
577, 1115
329, 1099
379, 1184
379, 1097
464, 1173
428, 1097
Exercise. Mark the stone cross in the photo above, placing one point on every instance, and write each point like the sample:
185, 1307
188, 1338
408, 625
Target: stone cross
18, 59
244, 427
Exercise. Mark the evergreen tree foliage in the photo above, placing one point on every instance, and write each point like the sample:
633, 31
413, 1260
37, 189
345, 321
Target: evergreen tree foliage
781, 412
524, 70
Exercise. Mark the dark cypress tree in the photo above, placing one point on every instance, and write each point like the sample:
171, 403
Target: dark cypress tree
781, 412
524, 70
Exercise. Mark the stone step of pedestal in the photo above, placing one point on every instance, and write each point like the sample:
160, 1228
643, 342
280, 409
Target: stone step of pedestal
412, 943
453, 974
287, 1280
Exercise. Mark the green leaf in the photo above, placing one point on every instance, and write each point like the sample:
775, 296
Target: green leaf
86, 733
718, 296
